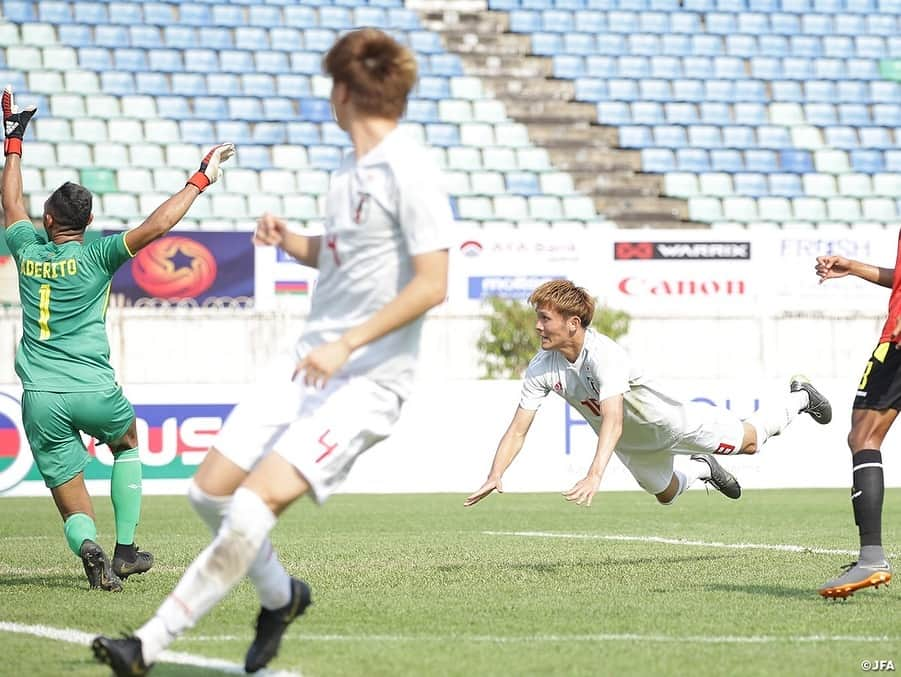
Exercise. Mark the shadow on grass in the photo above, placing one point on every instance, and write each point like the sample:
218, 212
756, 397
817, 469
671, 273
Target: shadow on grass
53, 581
607, 562
768, 590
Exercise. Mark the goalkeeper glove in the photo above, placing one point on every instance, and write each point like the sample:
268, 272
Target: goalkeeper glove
210, 170
14, 122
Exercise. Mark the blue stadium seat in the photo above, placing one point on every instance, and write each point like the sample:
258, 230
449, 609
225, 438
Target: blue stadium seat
622, 22
820, 114
447, 65
649, 113
159, 14
272, 62
155, 84
742, 45
594, 89
278, 108
370, 16
91, 13
19, 12
786, 185
111, 36
719, 90
568, 66
738, 136
599, 66
133, 60
876, 137
851, 91
887, 115
211, 107
223, 84
317, 39
303, 133
120, 83
843, 138
422, 110
259, 157
726, 160
215, 37
315, 110
707, 45
750, 91
686, 23
669, 136
675, 44
50, 11
773, 45
522, 183
697, 67
292, 86
550, 20
232, 16
325, 157
796, 161
245, 108
431, 87
93, 59
264, 16
258, 85
869, 46
688, 90
862, 69
188, 84
165, 60
666, 67
442, 134
692, 160
126, 13
614, 113
652, 89
232, 129
857, 114
705, 136
425, 42
885, 91
822, 91
75, 35
269, 133
251, 37
787, 91
882, 24
285, 39
236, 61
805, 45
591, 21
197, 131
654, 22
194, 14
333, 135
715, 112
635, 67
719, 23
760, 160
644, 44
680, 113
658, 160
308, 63
775, 137
635, 136
578, 43
175, 107
750, 113
893, 161
751, 184
621, 90
403, 19
181, 37
867, 161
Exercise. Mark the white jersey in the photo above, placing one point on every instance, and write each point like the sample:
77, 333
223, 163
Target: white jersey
382, 209
652, 421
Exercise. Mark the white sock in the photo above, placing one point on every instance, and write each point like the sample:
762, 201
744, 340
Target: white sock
272, 582
212, 574
774, 418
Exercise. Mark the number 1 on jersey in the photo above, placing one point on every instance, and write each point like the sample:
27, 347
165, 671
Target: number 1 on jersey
44, 308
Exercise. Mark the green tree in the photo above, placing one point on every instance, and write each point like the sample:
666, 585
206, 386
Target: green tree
509, 341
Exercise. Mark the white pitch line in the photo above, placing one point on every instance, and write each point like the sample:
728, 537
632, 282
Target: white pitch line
600, 637
781, 547
84, 639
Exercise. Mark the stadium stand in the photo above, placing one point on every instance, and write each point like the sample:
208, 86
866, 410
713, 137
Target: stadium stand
639, 112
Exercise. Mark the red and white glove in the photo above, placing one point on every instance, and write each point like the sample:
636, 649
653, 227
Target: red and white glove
210, 170
14, 122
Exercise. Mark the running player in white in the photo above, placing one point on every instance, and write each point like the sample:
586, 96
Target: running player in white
382, 264
627, 410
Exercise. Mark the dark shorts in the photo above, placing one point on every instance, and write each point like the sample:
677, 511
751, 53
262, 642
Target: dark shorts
880, 385
52, 422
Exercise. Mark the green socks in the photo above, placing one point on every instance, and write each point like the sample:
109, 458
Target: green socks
125, 490
78, 528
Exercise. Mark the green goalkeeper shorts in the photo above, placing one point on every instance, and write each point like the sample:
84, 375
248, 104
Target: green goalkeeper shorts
52, 422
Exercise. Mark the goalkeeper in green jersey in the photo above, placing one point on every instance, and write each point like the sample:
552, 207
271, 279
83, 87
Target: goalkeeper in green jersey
63, 357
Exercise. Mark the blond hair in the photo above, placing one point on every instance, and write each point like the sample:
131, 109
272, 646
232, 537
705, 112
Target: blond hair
377, 70
566, 298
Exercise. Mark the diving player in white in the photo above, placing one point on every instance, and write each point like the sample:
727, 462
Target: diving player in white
627, 410
382, 264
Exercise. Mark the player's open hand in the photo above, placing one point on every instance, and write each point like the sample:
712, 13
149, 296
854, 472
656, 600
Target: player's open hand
321, 363
270, 231
491, 484
14, 122
211, 166
829, 267
584, 490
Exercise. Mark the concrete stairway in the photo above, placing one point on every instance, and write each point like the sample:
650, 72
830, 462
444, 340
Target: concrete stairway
568, 129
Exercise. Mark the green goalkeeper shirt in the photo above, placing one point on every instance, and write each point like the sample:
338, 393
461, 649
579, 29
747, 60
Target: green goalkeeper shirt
64, 292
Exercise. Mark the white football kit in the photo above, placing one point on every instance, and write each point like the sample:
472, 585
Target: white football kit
655, 425
382, 209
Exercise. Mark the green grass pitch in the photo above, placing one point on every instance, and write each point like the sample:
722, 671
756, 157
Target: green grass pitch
418, 585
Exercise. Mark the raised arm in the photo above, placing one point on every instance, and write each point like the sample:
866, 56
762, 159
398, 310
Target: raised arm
608, 437
272, 231
829, 267
14, 124
164, 217
507, 449
426, 289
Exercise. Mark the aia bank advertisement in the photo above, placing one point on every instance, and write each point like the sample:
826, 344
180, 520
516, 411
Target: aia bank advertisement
192, 268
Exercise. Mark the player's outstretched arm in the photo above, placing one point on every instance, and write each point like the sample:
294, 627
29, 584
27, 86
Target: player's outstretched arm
426, 289
164, 217
608, 437
273, 232
829, 267
14, 125
507, 449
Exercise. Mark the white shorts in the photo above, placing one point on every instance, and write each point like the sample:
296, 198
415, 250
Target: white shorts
705, 430
320, 432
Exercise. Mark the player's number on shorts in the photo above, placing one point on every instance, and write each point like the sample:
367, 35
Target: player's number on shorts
866, 374
594, 405
44, 312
